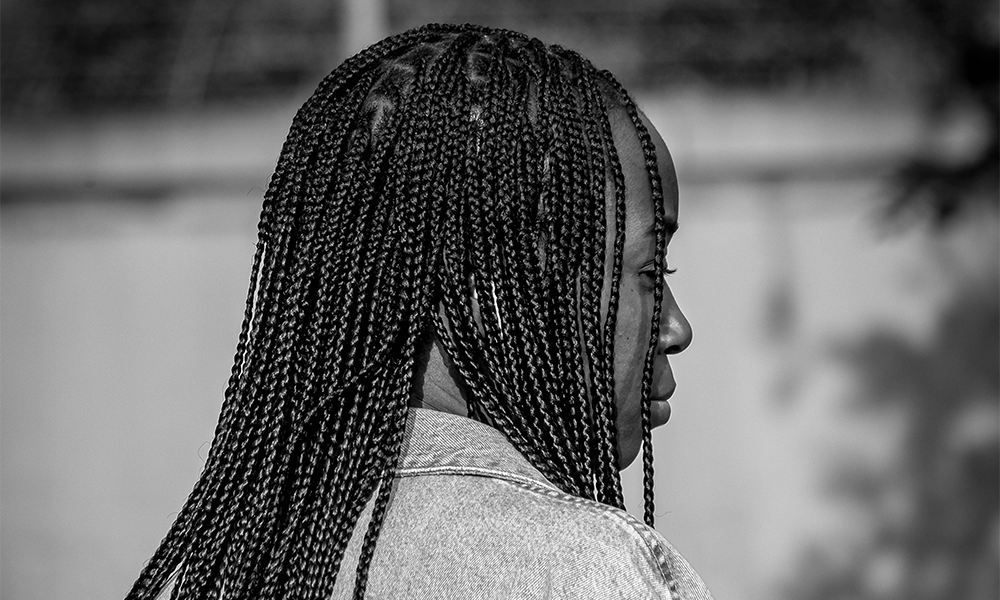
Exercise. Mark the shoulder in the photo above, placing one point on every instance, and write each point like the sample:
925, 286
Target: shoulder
572, 547
613, 549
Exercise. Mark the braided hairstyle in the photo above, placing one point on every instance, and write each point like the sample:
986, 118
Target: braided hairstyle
438, 164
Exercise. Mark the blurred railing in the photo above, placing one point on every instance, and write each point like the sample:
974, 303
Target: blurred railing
736, 137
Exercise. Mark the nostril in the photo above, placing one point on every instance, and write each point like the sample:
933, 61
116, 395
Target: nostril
677, 338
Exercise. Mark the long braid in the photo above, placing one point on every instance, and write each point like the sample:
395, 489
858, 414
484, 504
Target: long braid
536, 415
577, 418
444, 162
415, 298
556, 408
307, 368
304, 507
659, 227
558, 275
610, 487
592, 276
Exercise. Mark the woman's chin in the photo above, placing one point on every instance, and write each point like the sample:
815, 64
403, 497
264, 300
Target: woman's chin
628, 454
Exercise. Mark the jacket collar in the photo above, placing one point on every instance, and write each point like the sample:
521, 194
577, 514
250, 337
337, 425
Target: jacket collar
435, 441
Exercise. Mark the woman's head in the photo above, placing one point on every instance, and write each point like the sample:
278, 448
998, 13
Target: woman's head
455, 182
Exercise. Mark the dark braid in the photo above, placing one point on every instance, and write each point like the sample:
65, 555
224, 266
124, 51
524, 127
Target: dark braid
591, 281
660, 229
610, 486
446, 167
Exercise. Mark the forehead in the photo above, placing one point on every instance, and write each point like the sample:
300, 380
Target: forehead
639, 208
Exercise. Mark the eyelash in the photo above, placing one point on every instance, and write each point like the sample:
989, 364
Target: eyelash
651, 273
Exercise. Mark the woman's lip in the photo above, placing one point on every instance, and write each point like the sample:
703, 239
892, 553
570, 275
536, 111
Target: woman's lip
665, 390
659, 411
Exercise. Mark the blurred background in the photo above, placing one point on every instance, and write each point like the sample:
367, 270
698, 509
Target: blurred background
836, 429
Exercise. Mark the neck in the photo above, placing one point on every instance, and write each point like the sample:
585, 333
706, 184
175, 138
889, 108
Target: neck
436, 386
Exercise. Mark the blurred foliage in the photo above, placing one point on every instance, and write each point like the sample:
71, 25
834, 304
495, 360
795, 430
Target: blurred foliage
935, 185
932, 513
87, 55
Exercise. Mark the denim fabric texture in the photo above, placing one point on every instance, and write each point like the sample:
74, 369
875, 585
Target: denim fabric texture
470, 518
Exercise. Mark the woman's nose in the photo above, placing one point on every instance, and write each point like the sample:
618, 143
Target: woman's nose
675, 330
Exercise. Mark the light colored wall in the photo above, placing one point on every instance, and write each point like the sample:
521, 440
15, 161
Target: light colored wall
119, 320
118, 329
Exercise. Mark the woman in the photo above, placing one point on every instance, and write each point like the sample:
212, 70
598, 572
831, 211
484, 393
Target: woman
456, 334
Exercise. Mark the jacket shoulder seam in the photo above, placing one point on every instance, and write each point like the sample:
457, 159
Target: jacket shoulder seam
619, 518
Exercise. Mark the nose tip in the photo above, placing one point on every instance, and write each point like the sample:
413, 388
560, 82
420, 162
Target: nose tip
675, 331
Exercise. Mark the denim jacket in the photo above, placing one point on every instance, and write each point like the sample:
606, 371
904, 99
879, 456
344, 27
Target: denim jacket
469, 517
